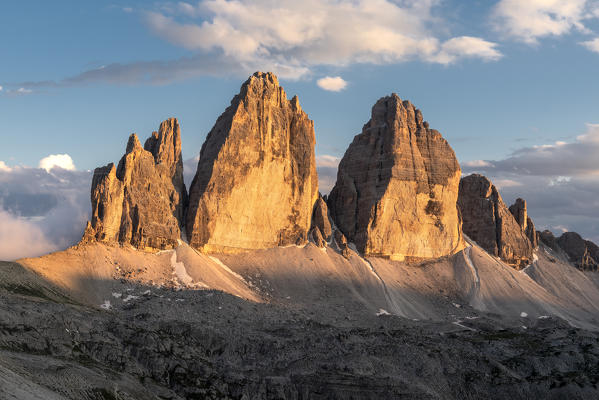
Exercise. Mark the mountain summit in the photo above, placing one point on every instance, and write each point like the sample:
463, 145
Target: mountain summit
142, 201
256, 181
397, 187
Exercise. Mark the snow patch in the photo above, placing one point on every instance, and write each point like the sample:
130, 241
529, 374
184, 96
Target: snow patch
456, 305
459, 323
129, 298
180, 271
106, 305
543, 316
382, 312
523, 314
116, 295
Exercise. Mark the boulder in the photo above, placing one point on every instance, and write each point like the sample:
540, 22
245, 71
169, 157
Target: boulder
487, 221
397, 187
256, 181
142, 201
520, 213
341, 242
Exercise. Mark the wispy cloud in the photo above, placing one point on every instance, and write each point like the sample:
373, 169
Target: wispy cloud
530, 20
556, 159
290, 38
592, 45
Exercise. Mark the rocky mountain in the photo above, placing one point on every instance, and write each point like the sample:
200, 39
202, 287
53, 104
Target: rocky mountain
488, 221
397, 187
142, 201
370, 293
583, 254
256, 181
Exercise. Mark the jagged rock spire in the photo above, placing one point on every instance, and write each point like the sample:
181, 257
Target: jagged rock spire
142, 201
256, 181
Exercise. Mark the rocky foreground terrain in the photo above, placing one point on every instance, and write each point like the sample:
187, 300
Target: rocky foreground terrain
166, 343
408, 281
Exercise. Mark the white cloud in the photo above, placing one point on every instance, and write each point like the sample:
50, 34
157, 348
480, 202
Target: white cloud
529, 20
23, 90
592, 45
314, 32
63, 161
40, 211
332, 83
128, 9
467, 47
4, 167
1, 88
290, 38
21, 238
476, 163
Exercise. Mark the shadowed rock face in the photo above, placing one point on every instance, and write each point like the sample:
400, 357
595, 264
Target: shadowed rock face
520, 213
584, 254
487, 220
256, 181
321, 219
397, 187
142, 201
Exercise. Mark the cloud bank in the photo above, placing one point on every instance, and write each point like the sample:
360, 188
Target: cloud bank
41, 211
560, 181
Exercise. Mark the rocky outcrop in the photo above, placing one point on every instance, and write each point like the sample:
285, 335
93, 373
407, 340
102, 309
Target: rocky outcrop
584, 254
321, 219
548, 239
397, 187
520, 213
142, 201
487, 220
256, 181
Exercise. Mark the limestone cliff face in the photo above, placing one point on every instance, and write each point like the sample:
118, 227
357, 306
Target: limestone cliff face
397, 187
520, 212
142, 201
487, 220
256, 181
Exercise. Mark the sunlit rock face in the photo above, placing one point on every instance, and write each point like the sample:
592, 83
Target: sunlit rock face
397, 187
142, 201
488, 221
256, 181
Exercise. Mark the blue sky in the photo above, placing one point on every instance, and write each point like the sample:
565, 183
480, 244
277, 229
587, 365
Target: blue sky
501, 80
